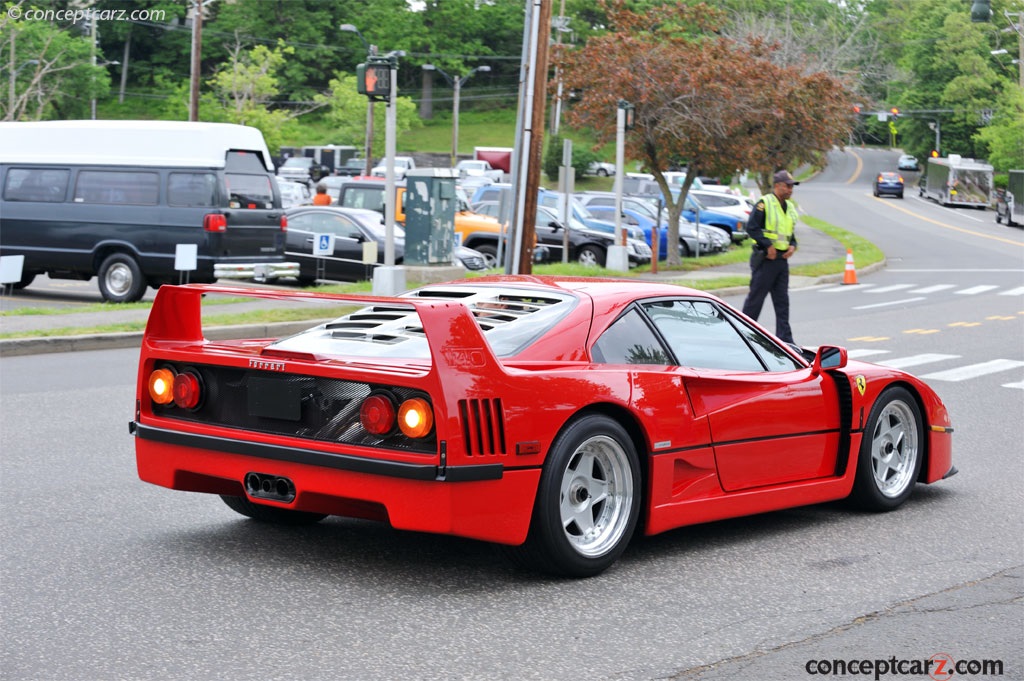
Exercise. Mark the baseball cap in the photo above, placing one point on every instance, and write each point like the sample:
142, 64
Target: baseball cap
784, 176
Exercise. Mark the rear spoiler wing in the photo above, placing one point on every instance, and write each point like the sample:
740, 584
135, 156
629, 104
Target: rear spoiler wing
456, 342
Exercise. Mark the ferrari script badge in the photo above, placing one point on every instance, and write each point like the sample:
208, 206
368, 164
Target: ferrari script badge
862, 384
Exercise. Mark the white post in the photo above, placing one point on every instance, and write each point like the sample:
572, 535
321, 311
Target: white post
618, 256
389, 280
455, 120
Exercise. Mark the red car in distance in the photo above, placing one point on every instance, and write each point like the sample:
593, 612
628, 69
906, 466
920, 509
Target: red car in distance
548, 415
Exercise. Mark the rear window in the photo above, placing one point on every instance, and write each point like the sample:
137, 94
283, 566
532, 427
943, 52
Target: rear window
121, 187
249, 191
36, 184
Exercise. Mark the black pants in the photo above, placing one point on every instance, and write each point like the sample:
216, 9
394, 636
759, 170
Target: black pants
770, 276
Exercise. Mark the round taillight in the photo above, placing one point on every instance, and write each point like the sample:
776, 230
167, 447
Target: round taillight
415, 417
377, 415
161, 386
186, 390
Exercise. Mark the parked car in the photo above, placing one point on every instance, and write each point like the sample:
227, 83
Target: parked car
293, 193
689, 236
351, 227
889, 184
601, 169
352, 167
586, 246
907, 162
558, 417
403, 164
302, 169
730, 204
475, 168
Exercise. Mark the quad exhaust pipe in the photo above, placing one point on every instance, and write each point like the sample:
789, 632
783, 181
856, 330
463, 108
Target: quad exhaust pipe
266, 486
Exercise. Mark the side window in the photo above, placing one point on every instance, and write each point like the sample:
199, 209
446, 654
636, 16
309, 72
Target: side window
343, 227
771, 354
249, 191
630, 341
192, 189
700, 336
36, 184
127, 187
301, 223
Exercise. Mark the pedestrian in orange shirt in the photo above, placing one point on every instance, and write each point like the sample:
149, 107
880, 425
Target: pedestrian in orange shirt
322, 198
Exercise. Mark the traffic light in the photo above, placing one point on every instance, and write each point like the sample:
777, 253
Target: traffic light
895, 112
981, 11
373, 79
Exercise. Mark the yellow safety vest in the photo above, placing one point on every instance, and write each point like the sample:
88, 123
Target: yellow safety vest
779, 224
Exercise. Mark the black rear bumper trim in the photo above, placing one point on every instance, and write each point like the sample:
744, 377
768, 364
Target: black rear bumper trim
394, 469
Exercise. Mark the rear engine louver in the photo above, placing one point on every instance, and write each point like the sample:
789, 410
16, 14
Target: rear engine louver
483, 427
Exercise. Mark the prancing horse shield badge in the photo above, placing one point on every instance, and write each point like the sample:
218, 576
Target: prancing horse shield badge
862, 384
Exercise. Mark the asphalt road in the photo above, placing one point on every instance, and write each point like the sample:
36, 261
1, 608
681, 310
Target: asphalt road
104, 577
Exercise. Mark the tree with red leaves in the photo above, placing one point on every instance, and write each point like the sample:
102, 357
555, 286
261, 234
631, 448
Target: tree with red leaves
701, 98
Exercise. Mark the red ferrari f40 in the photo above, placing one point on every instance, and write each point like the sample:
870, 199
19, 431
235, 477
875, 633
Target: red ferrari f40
554, 416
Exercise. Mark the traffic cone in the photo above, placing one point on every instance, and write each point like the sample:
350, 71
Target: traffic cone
850, 273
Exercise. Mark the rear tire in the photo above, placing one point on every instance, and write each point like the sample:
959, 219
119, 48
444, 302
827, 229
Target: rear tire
120, 279
271, 514
588, 501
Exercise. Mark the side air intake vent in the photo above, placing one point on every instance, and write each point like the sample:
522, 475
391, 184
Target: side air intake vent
483, 427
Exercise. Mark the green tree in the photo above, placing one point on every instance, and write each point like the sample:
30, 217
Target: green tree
1004, 136
701, 97
54, 75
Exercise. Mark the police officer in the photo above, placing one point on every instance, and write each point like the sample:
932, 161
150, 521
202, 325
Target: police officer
771, 226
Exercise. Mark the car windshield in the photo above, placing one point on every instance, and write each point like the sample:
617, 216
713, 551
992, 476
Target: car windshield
298, 162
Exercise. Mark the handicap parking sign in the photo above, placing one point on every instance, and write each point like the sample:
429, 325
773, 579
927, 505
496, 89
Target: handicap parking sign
323, 244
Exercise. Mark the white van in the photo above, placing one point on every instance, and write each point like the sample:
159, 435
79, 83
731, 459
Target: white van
114, 199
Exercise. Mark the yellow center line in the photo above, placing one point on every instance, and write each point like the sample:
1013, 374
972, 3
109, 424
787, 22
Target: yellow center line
856, 171
890, 204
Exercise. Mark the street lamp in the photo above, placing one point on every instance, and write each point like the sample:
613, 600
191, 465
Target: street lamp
371, 50
456, 84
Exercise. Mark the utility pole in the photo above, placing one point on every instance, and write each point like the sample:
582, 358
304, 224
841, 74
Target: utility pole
197, 50
534, 137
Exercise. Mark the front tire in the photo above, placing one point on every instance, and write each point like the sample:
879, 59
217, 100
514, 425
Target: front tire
120, 279
890, 453
490, 254
588, 500
271, 514
601, 172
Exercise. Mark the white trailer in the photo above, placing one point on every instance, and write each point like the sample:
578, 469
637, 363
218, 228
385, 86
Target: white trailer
958, 181
1010, 201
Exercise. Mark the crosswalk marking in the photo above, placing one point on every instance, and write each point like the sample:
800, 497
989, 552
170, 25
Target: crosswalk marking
975, 290
1018, 386
915, 360
889, 303
893, 287
974, 370
861, 353
933, 289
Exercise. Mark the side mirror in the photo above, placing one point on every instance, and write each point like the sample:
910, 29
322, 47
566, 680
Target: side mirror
828, 357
